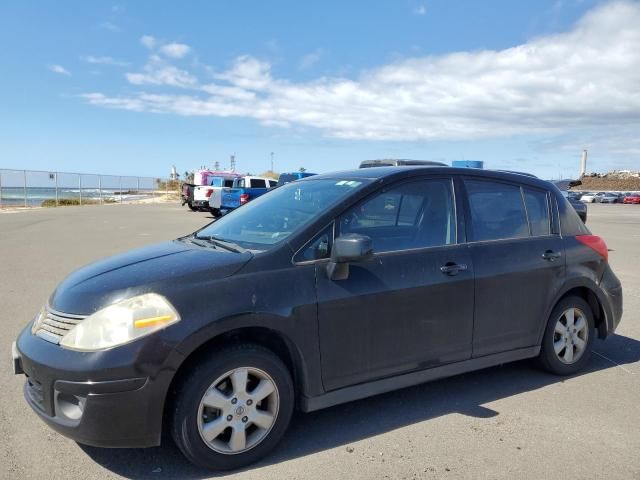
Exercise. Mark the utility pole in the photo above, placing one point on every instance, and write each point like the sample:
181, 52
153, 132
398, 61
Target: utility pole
233, 162
216, 166
272, 162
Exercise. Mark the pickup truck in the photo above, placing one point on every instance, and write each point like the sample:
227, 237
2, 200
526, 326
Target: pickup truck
187, 193
285, 178
245, 189
202, 193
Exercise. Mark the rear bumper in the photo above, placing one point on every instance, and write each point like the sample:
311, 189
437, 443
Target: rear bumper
611, 300
104, 399
200, 203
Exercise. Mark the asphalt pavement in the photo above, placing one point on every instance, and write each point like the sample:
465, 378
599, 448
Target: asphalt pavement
512, 421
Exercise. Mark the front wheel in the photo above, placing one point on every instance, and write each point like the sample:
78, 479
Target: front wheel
233, 408
566, 345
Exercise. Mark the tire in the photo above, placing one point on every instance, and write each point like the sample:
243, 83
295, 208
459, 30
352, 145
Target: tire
191, 207
215, 212
553, 357
191, 417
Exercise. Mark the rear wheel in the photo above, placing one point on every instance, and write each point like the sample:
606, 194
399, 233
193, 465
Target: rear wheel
233, 408
215, 212
191, 207
566, 345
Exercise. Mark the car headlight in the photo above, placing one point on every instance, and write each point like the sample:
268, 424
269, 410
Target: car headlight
121, 323
37, 321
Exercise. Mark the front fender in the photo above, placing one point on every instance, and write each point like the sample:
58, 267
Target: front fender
302, 348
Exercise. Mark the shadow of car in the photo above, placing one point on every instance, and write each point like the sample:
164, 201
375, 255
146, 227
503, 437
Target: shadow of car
344, 424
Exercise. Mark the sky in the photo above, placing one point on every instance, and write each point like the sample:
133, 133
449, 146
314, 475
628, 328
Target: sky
132, 88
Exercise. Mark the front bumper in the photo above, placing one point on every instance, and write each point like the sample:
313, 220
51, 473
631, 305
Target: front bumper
113, 398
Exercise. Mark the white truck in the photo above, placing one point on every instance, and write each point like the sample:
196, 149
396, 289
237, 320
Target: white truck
216, 182
249, 183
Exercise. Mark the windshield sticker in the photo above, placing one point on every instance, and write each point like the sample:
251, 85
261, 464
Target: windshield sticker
348, 183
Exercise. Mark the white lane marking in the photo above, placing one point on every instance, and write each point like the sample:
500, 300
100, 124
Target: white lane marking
614, 362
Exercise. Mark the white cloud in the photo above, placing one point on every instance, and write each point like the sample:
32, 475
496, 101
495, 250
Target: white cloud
104, 61
175, 50
249, 73
310, 59
420, 10
110, 26
59, 69
158, 72
148, 41
585, 78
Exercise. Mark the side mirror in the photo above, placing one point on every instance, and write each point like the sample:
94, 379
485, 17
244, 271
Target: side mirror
349, 248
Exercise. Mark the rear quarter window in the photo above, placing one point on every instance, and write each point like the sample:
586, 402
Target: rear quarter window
537, 202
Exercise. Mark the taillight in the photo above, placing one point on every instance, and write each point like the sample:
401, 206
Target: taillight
595, 243
209, 192
244, 198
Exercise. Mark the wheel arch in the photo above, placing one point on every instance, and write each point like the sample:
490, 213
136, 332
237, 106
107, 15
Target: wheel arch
245, 329
588, 293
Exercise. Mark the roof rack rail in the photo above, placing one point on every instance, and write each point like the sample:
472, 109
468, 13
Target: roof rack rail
518, 173
396, 162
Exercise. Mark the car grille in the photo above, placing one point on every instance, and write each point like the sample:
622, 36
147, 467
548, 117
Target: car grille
35, 392
56, 325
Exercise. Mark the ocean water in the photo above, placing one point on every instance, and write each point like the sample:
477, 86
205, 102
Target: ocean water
15, 196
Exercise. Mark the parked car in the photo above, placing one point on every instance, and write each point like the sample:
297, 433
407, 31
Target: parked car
396, 162
574, 195
202, 194
325, 290
590, 197
632, 198
293, 176
244, 190
608, 197
578, 206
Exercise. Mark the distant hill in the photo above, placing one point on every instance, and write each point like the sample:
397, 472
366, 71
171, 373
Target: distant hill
616, 181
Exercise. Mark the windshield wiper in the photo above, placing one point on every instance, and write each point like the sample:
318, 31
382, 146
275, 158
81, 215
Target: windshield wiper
194, 239
226, 244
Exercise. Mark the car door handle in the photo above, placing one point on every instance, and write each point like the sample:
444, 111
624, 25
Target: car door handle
551, 255
453, 268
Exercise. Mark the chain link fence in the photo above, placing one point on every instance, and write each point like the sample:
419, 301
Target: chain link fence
33, 188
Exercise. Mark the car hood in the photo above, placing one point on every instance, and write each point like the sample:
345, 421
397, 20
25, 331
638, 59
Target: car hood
161, 268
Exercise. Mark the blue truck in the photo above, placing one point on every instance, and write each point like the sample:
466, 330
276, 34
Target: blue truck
292, 177
244, 190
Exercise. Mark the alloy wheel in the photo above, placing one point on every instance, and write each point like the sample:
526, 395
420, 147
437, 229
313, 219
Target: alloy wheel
571, 335
238, 410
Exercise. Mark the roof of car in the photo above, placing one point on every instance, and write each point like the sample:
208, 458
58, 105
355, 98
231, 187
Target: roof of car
392, 173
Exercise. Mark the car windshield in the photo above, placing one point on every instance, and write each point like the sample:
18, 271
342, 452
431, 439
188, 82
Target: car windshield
274, 216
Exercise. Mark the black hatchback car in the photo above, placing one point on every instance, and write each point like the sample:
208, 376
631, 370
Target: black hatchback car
325, 290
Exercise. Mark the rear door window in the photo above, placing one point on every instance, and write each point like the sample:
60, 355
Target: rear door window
537, 202
497, 210
258, 183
